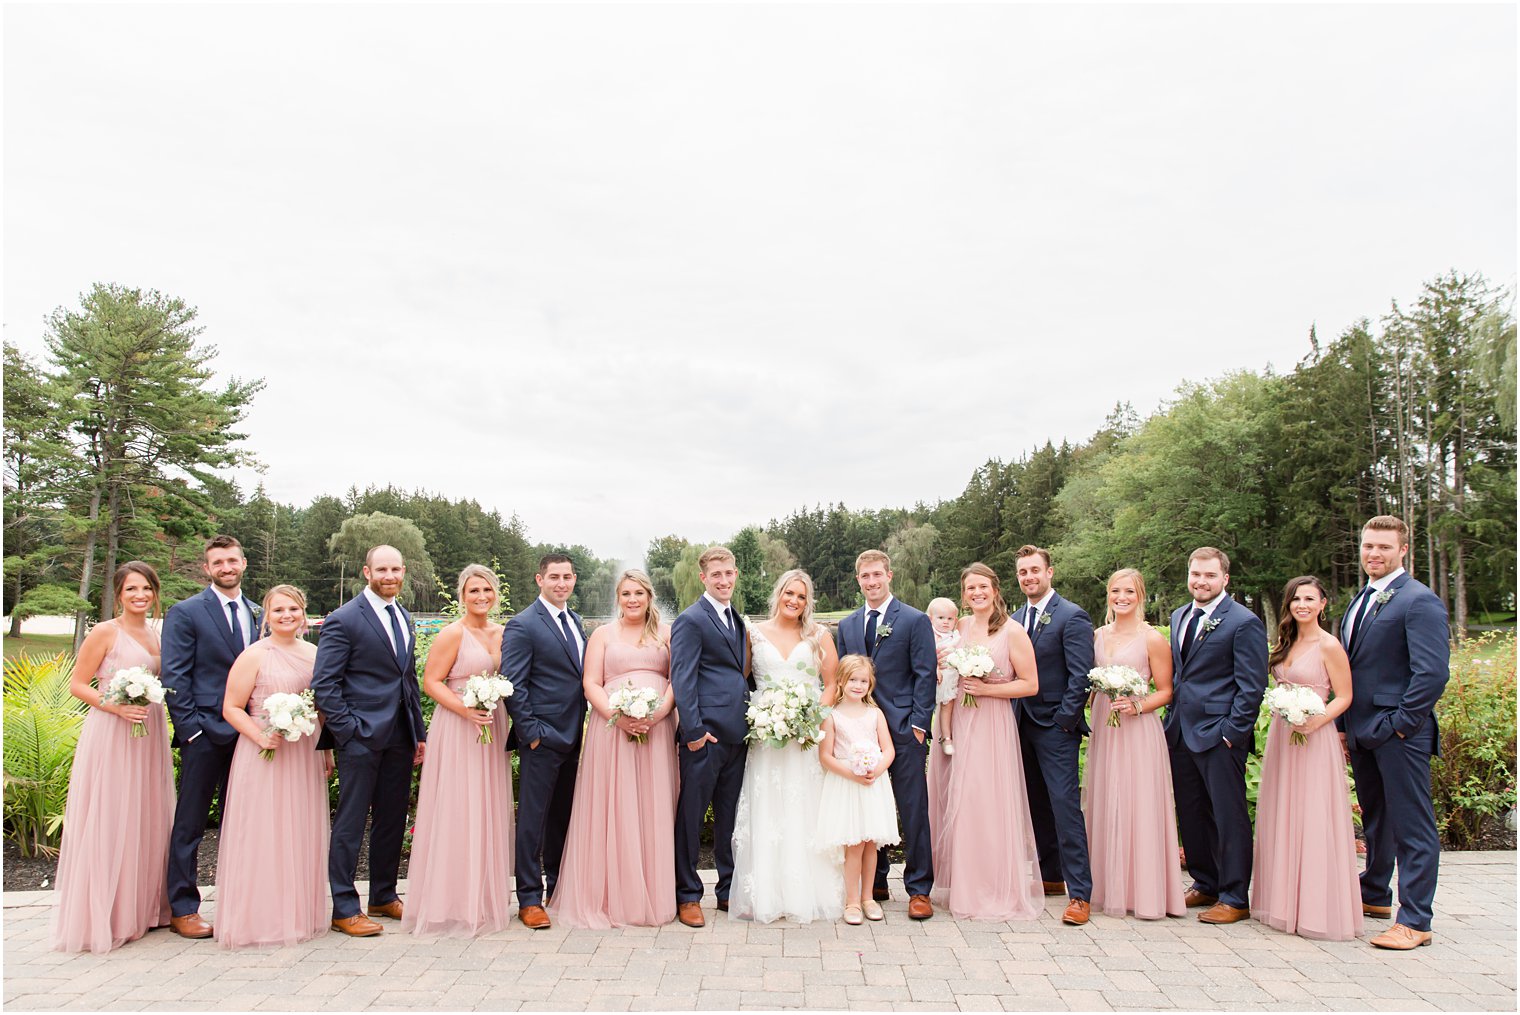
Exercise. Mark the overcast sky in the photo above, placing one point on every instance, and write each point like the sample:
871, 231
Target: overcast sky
636, 270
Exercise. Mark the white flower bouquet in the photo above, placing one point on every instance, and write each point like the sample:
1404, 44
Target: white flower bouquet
290, 716
1117, 682
1295, 704
864, 759
486, 691
971, 661
135, 686
635, 703
785, 709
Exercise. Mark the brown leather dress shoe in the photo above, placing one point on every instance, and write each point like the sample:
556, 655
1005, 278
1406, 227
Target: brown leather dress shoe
1194, 898
920, 908
391, 909
1400, 938
534, 917
690, 913
357, 925
191, 926
1077, 913
880, 894
1382, 912
1221, 913
1054, 887
722, 905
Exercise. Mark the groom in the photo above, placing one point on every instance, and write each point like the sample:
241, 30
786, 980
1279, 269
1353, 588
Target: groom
899, 641
1219, 656
365, 682
708, 649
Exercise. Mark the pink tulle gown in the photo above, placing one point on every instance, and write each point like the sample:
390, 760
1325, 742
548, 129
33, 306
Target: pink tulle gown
1306, 873
459, 880
114, 859
271, 868
617, 869
985, 865
1131, 818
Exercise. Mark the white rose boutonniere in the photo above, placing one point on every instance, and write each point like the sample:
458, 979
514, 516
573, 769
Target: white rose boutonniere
1383, 597
883, 632
1044, 619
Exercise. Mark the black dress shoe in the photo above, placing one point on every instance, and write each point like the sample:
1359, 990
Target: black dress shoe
880, 894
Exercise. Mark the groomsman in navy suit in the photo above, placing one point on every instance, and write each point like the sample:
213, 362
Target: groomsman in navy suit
1219, 656
542, 650
709, 653
203, 635
365, 682
1051, 726
900, 643
1397, 636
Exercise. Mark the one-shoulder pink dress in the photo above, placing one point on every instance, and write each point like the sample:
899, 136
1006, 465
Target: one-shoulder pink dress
114, 859
1131, 817
271, 869
1306, 871
985, 862
617, 869
459, 879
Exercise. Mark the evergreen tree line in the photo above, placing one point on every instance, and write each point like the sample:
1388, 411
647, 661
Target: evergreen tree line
115, 448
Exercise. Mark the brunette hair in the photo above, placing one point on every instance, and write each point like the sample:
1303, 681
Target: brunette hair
222, 542
848, 667
1138, 579
289, 591
651, 631
1206, 552
1287, 627
1030, 550
999, 607
553, 558
131, 567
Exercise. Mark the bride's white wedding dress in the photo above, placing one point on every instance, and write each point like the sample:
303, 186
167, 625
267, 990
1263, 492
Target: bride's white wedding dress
779, 870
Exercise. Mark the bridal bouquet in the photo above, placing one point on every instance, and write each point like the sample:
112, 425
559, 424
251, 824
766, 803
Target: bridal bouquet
1116, 682
971, 661
291, 716
1295, 703
486, 691
635, 703
785, 709
864, 759
134, 686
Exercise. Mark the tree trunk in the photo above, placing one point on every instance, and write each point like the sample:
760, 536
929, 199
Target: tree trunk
87, 571
113, 545
1459, 509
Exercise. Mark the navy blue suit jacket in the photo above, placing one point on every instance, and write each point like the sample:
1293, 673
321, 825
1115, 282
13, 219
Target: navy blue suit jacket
1400, 663
707, 675
198, 649
360, 684
548, 702
1217, 693
1063, 654
906, 664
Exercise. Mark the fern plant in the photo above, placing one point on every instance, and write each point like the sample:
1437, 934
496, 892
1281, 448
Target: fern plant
42, 721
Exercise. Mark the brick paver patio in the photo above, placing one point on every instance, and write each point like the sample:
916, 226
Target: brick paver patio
937, 965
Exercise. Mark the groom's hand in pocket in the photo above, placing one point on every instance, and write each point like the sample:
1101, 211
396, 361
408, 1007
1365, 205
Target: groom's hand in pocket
697, 745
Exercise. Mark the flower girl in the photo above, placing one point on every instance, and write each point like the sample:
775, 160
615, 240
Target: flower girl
943, 614
857, 810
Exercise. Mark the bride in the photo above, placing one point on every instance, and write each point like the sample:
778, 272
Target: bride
778, 871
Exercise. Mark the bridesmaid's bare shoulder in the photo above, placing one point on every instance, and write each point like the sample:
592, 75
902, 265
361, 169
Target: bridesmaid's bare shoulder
1155, 639
448, 636
1331, 646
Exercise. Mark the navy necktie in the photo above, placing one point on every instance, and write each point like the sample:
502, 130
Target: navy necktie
564, 625
871, 633
1361, 613
1031, 618
1192, 630
237, 626
396, 634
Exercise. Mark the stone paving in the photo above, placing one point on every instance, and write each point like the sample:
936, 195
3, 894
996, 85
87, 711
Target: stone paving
937, 965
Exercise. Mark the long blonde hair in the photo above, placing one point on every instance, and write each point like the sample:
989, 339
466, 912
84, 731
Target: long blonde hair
289, 591
1139, 580
650, 634
810, 627
848, 666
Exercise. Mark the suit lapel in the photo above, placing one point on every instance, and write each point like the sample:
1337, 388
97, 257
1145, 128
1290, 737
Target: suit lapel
1376, 608
223, 623
558, 632
723, 631
369, 614
256, 622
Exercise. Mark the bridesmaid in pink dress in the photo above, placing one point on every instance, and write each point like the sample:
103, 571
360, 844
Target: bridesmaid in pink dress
271, 869
616, 870
1306, 871
459, 877
985, 864
113, 863
1131, 819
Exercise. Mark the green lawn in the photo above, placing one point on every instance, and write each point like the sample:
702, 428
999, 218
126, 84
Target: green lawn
38, 644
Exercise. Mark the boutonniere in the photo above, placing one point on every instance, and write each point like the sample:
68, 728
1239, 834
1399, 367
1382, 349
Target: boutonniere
1383, 597
1044, 619
884, 631
1209, 625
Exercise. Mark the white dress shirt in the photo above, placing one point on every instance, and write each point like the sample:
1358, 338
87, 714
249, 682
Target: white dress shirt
1381, 585
244, 617
722, 609
881, 614
1039, 608
378, 603
575, 629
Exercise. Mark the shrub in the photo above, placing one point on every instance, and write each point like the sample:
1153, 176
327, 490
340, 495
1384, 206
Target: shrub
1473, 782
42, 721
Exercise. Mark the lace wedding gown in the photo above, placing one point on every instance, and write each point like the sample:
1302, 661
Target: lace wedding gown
779, 868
